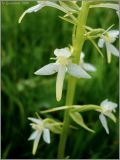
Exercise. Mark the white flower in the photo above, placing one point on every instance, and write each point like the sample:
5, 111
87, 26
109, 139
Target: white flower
40, 128
86, 66
107, 108
40, 6
108, 39
62, 65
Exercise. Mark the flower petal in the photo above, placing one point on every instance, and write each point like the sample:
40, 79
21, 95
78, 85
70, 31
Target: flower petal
31, 9
33, 135
104, 122
47, 69
35, 120
40, 6
82, 56
112, 106
64, 52
59, 81
114, 33
46, 135
36, 141
112, 49
101, 43
104, 102
76, 71
108, 105
54, 5
88, 67
111, 116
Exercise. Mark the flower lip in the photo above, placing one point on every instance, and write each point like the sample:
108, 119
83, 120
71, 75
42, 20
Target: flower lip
104, 122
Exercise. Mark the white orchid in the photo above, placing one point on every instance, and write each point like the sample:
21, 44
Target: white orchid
62, 65
108, 39
40, 128
39, 6
107, 108
84, 65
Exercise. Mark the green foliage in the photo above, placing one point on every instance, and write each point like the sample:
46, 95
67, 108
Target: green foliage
27, 47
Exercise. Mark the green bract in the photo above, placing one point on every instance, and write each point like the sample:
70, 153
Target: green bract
76, 117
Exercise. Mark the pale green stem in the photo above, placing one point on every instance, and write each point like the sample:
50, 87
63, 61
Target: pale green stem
78, 42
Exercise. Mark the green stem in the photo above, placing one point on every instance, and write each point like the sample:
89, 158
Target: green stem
78, 42
69, 101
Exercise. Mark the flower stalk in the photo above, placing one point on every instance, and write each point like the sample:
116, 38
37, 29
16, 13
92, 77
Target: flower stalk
78, 42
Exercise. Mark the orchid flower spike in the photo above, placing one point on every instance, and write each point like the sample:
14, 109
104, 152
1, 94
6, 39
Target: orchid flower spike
107, 108
62, 65
39, 6
39, 127
108, 39
84, 65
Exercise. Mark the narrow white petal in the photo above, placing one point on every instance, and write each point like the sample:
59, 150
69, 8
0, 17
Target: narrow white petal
35, 143
64, 52
114, 33
101, 43
76, 71
111, 116
104, 122
112, 49
31, 9
59, 81
46, 135
88, 67
33, 135
35, 120
47, 69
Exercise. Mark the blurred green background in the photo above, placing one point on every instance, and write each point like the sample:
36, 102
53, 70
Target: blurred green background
28, 46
